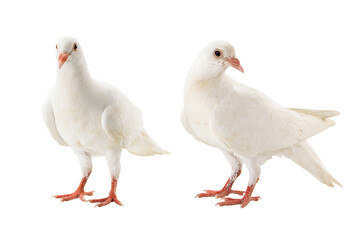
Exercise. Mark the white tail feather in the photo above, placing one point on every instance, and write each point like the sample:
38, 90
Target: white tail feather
317, 113
145, 146
303, 155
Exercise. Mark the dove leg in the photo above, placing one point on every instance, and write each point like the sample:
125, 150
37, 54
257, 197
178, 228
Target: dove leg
254, 173
113, 160
236, 167
86, 167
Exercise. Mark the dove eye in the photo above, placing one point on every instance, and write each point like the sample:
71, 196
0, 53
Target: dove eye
75, 47
217, 53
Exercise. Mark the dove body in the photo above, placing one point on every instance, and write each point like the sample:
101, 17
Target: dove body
92, 118
246, 125
78, 109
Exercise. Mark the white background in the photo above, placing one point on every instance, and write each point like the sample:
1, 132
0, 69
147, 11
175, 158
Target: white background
303, 54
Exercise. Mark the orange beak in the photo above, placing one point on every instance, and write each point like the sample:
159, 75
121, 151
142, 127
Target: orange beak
62, 58
235, 63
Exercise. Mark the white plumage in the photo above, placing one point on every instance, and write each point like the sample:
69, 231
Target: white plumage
92, 118
245, 124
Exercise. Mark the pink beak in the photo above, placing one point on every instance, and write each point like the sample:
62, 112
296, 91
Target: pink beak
235, 63
62, 58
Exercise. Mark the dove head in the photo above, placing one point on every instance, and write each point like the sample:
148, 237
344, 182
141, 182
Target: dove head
69, 54
215, 58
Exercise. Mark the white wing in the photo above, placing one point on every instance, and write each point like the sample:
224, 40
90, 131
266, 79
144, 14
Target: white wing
187, 126
49, 119
122, 121
250, 123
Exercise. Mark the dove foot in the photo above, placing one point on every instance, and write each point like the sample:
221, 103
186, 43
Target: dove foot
111, 198
226, 190
243, 201
105, 201
219, 194
79, 192
72, 196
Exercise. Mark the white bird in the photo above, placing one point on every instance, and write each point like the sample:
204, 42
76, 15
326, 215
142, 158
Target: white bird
247, 126
92, 118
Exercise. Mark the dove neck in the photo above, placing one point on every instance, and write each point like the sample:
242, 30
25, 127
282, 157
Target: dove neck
204, 70
205, 74
73, 74
203, 82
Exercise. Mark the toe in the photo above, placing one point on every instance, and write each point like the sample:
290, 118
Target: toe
98, 200
207, 193
222, 194
68, 198
62, 196
89, 193
201, 195
118, 202
104, 203
81, 197
229, 202
237, 192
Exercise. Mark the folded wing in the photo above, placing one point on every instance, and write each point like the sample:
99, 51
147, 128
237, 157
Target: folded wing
250, 123
49, 120
122, 122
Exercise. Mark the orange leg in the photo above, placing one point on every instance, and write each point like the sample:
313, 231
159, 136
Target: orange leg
243, 201
79, 192
111, 198
226, 190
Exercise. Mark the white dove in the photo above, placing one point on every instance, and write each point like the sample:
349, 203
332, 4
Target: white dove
92, 118
247, 126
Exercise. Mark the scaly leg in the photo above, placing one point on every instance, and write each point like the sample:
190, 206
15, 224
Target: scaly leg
113, 160
86, 167
79, 192
111, 198
226, 190
235, 173
254, 173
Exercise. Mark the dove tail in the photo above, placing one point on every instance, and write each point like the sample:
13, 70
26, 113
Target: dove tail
145, 146
324, 114
304, 155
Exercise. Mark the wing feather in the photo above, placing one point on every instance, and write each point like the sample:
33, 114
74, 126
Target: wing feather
49, 119
317, 113
250, 123
122, 122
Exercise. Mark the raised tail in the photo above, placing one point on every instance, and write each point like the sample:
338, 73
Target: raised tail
304, 155
145, 146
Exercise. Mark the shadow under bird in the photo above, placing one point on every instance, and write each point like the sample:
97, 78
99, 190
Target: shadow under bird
92, 118
247, 126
